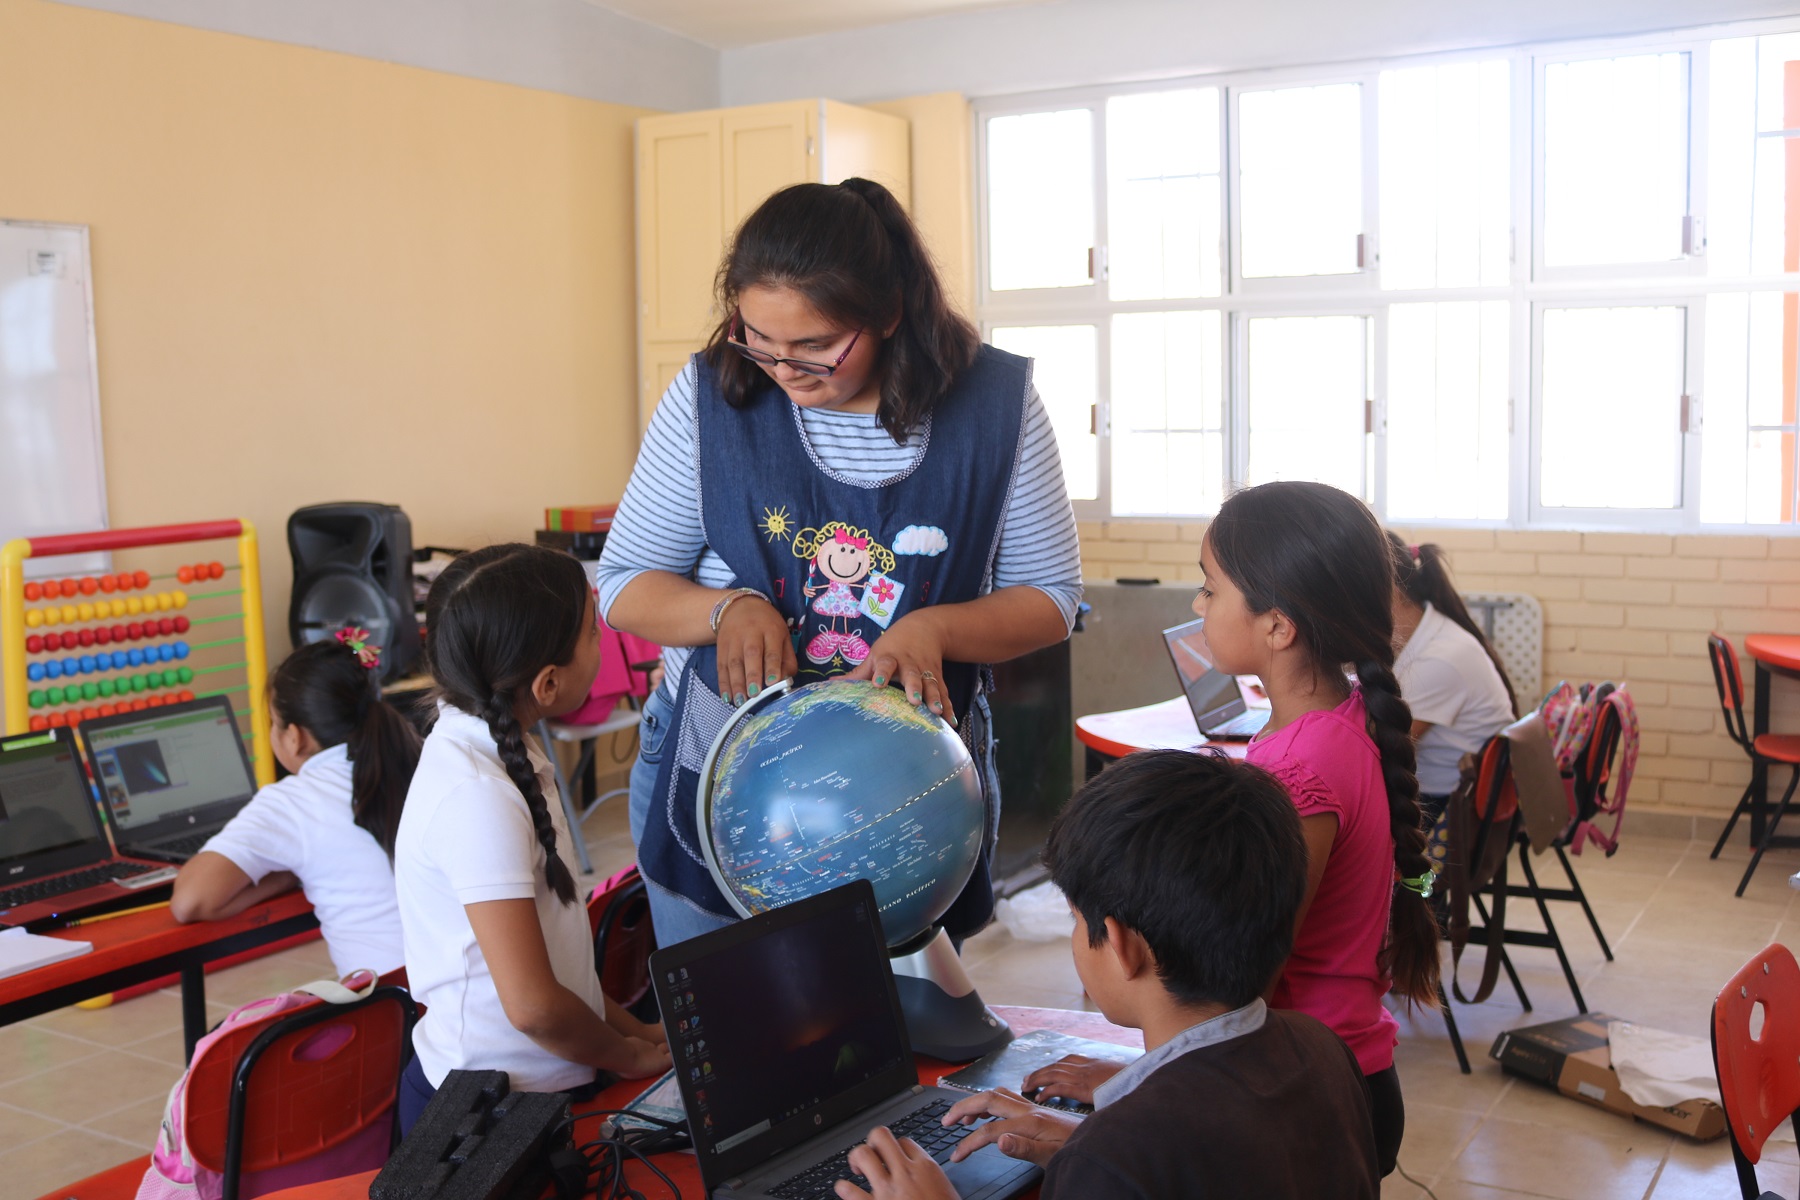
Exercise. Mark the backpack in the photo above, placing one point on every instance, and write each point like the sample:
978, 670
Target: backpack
174, 1174
1590, 726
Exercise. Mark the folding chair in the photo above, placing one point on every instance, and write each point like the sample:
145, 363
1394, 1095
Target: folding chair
1764, 750
1758, 1068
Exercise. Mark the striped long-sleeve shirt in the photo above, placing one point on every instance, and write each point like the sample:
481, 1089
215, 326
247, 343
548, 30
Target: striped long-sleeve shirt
658, 525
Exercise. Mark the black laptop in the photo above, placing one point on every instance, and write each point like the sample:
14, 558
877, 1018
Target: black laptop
789, 1047
169, 777
1215, 697
55, 861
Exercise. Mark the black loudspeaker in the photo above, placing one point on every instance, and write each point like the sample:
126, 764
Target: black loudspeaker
353, 566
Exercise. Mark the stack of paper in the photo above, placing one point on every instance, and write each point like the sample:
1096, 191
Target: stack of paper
21, 951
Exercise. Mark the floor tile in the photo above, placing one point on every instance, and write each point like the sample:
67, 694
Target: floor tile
63, 1157
1704, 1171
119, 1023
136, 1124
29, 1049
17, 1127
1565, 1164
92, 1087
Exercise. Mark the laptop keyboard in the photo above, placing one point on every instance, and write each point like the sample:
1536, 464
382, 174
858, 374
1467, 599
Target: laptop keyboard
185, 846
58, 885
923, 1125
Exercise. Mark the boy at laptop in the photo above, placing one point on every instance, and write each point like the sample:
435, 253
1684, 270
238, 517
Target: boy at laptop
1185, 872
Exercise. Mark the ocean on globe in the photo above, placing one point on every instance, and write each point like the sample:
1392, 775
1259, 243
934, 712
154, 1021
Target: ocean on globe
839, 781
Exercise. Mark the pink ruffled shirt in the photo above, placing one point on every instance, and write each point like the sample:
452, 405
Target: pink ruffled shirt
1329, 764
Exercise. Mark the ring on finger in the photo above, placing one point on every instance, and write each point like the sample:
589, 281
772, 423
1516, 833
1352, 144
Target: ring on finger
928, 675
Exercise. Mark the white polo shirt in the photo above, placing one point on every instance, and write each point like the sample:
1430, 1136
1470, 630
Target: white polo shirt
1448, 679
466, 837
305, 824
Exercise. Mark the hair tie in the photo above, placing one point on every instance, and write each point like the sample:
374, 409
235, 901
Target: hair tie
1414, 551
1422, 885
367, 653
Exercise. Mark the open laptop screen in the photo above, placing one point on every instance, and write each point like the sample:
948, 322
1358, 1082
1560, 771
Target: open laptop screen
773, 1032
167, 761
44, 802
1211, 693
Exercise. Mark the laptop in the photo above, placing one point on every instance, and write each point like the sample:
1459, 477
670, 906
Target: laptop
169, 777
789, 1046
1218, 702
55, 861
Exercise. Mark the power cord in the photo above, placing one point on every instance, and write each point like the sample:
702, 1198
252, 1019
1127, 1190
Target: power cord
1415, 1182
599, 1164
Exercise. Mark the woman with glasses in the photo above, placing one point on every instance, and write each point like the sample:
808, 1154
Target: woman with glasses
844, 483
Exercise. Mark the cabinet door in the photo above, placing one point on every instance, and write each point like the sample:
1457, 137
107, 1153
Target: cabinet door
658, 365
766, 148
681, 225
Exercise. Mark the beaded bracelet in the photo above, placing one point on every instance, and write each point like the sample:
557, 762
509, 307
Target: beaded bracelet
730, 598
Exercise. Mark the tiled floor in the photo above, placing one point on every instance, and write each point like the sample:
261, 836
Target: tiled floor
82, 1090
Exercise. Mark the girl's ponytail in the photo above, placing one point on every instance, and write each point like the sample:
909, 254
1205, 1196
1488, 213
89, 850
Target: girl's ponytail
384, 752
1423, 573
503, 723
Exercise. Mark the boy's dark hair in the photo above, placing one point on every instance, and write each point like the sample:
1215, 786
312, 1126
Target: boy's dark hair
852, 251
323, 688
1201, 856
1423, 573
494, 619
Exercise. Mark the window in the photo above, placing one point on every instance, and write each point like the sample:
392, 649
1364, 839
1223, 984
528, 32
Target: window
1556, 287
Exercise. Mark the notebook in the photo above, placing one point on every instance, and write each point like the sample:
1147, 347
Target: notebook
169, 777
55, 861
1217, 701
789, 1045
21, 951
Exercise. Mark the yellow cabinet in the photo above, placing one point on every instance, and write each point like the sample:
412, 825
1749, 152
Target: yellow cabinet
700, 174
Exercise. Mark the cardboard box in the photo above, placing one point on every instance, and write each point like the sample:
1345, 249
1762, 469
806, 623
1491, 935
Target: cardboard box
1573, 1056
580, 518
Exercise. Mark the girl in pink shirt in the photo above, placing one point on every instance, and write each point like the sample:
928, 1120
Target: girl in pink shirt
1299, 585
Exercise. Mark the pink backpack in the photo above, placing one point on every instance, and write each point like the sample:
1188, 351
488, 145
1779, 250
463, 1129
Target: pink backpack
175, 1175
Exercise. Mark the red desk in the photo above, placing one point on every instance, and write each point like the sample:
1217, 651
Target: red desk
143, 946
682, 1169
1774, 654
1166, 726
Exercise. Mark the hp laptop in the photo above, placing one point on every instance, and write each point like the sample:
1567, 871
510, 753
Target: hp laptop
1218, 703
169, 777
789, 1046
55, 861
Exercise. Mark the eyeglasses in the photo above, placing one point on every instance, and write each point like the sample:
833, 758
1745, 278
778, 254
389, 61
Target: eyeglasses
765, 359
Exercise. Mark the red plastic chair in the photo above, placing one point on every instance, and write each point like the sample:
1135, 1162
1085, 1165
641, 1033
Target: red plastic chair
619, 916
1765, 750
1759, 1073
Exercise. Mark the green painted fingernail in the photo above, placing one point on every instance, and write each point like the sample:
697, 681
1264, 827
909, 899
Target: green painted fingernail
915, 697
739, 698
755, 687
773, 679
937, 706
881, 681
725, 696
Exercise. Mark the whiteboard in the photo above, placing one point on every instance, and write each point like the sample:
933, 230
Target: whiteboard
52, 474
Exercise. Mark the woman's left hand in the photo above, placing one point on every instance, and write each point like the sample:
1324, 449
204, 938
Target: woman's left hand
911, 653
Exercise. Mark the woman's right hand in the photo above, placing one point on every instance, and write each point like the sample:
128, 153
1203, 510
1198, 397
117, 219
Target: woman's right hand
639, 1059
755, 650
1072, 1078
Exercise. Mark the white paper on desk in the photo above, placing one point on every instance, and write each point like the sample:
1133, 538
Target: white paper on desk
1660, 1069
21, 951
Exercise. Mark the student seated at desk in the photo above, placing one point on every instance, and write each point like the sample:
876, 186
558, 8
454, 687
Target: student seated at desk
329, 826
1185, 872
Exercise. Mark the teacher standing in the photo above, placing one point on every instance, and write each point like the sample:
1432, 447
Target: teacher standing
844, 483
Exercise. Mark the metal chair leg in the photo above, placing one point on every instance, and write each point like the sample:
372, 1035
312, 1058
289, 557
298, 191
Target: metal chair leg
1742, 804
1550, 927
1505, 958
1575, 886
1769, 833
1456, 1042
570, 812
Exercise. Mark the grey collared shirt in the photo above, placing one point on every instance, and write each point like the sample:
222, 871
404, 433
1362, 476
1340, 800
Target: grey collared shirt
1221, 1028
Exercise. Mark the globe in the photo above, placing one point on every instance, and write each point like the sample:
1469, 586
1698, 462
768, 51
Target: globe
837, 781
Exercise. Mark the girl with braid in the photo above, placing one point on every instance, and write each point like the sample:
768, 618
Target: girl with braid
497, 943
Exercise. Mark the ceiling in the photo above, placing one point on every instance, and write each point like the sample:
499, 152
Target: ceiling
729, 24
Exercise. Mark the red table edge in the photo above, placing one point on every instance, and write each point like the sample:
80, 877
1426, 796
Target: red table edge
1780, 650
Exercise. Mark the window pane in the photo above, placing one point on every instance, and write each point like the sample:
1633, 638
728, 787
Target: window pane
1067, 380
1615, 159
1168, 413
1162, 168
1308, 385
1446, 208
1747, 445
1040, 200
1611, 405
1300, 180
1447, 400
1755, 86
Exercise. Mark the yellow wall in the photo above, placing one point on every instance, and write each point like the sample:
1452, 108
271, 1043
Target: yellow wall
320, 277
943, 185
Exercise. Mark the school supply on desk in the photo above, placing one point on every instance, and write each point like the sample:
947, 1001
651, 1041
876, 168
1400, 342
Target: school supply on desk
1220, 708
55, 861
477, 1140
1008, 1066
21, 951
789, 1046
169, 777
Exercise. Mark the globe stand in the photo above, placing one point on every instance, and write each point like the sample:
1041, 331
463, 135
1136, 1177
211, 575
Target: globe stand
945, 1015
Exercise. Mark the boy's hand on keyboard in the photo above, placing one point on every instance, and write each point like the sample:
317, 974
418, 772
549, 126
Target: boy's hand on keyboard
1071, 1078
1022, 1130
897, 1169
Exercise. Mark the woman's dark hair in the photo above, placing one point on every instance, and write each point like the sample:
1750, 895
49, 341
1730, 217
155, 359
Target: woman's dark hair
1319, 556
323, 688
854, 254
1423, 573
1200, 856
494, 619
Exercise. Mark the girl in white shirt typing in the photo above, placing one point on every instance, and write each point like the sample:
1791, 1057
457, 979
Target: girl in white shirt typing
497, 944
329, 826
1450, 675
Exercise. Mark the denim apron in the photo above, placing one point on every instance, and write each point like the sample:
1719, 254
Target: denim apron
842, 561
